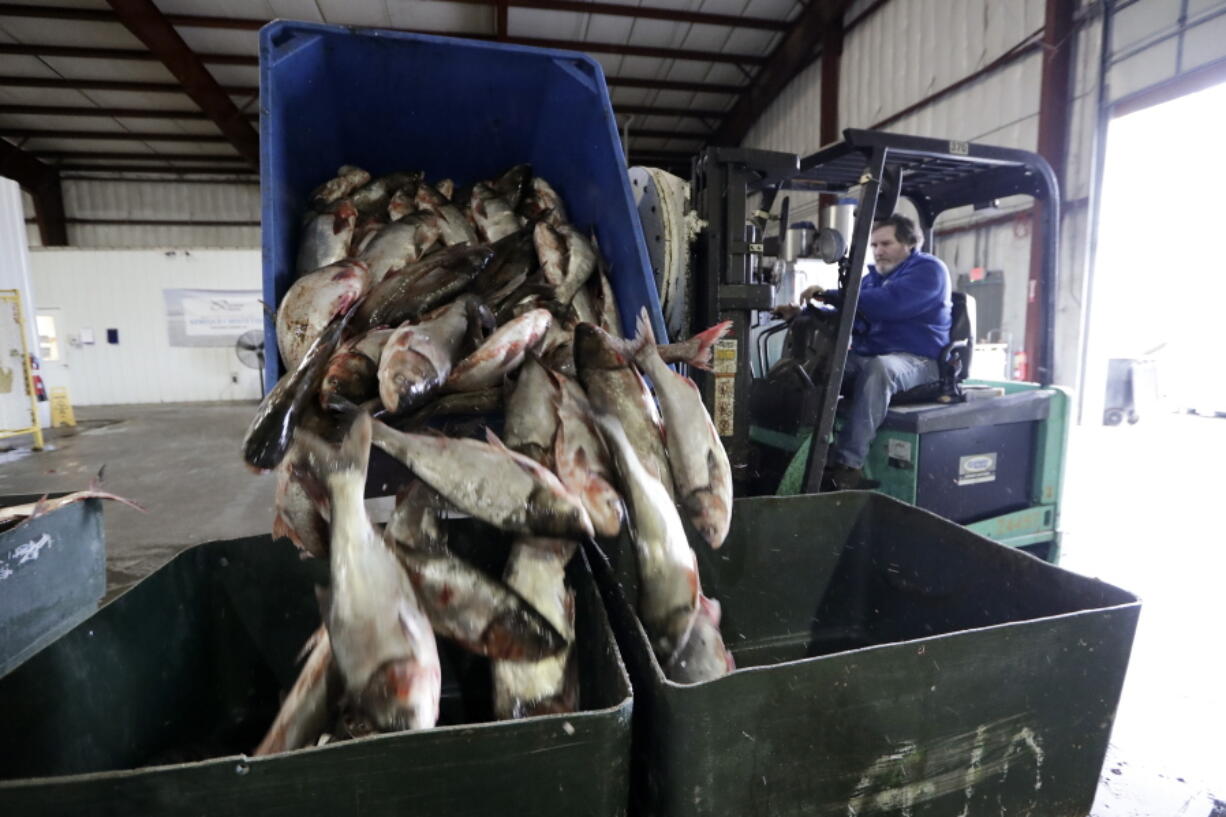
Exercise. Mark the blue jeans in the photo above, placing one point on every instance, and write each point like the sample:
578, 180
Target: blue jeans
871, 381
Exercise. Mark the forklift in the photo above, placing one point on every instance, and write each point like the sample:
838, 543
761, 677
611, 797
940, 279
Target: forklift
987, 454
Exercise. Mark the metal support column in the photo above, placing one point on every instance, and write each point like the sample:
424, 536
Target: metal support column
823, 428
728, 286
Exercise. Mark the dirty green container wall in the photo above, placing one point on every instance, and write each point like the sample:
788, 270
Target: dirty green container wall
52, 576
891, 662
185, 670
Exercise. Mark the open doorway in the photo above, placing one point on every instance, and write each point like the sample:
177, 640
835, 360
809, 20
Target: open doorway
1160, 267
1142, 499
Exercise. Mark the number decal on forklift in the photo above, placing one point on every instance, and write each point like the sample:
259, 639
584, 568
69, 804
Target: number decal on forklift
960, 148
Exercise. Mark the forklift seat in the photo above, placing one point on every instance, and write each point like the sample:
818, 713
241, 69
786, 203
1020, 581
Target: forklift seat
953, 364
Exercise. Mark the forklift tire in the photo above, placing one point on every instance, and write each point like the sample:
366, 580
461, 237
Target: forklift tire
1113, 417
1133, 417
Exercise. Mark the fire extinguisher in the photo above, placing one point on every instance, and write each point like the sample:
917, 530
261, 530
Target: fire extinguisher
40, 391
1021, 367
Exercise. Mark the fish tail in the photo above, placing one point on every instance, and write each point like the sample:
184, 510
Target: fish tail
704, 342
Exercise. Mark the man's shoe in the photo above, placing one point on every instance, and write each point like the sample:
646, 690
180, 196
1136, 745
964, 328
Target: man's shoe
846, 478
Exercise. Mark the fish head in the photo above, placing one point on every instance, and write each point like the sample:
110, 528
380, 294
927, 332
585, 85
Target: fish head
596, 349
513, 184
406, 376
402, 694
554, 511
709, 513
350, 375
604, 506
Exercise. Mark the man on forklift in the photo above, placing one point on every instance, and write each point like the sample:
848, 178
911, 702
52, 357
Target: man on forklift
902, 323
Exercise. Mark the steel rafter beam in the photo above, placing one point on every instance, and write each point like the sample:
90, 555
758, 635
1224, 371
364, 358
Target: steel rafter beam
204, 158
649, 110
35, 50
114, 85
165, 169
42, 182
109, 135
243, 24
673, 85
144, 20
131, 54
127, 113
794, 53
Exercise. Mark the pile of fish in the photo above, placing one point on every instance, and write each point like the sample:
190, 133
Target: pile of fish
417, 309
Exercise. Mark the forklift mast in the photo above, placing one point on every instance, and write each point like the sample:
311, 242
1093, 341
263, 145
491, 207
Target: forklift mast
935, 175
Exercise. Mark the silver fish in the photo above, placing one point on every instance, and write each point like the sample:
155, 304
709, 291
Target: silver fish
446, 188
401, 204
567, 259
326, 236
615, 387
514, 185
348, 178
352, 374
531, 417
375, 194
490, 482
314, 300
302, 506
503, 352
605, 301
410, 292
454, 227
582, 462
704, 656
543, 203
536, 570
367, 227
418, 357
701, 473
283, 408
382, 641
15, 515
494, 216
464, 604
668, 569
305, 711
470, 404
398, 244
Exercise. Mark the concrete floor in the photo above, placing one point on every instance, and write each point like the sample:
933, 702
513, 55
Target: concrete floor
180, 461
1140, 513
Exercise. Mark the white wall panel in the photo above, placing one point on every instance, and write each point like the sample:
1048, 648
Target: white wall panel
1001, 109
122, 289
158, 201
792, 121
892, 60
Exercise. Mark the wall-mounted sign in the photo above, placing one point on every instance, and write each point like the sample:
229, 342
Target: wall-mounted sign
211, 317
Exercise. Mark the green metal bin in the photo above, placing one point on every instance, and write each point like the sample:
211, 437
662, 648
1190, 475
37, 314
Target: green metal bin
148, 707
889, 662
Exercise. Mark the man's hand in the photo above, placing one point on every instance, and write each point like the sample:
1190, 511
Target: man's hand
813, 293
786, 311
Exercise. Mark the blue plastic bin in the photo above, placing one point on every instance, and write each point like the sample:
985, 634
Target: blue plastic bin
454, 108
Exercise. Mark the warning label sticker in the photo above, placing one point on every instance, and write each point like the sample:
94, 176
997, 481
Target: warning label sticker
976, 468
725, 386
725, 357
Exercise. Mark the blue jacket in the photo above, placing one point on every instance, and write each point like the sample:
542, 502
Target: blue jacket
905, 311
